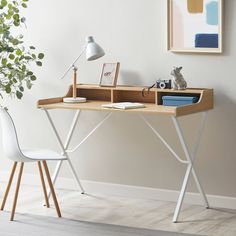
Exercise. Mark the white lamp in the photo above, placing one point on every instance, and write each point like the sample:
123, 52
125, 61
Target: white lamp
93, 51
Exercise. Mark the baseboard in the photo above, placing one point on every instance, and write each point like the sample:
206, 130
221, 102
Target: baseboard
129, 191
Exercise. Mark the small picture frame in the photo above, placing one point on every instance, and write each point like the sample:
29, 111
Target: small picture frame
110, 72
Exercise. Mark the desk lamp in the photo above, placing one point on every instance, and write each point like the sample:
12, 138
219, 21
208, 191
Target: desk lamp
92, 51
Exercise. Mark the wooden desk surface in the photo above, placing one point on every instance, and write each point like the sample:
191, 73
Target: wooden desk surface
97, 96
97, 106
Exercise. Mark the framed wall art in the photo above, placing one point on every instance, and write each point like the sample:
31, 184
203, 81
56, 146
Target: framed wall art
195, 26
110, 72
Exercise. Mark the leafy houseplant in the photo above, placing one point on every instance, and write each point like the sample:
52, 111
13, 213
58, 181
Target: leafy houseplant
15, 58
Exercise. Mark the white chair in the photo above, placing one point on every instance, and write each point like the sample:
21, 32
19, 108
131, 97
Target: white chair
13, 151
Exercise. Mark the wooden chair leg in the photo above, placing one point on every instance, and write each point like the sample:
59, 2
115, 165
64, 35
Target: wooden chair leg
17, 191
8, 185
43, 184
52, 188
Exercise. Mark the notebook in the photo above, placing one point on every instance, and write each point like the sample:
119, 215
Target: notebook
124, 105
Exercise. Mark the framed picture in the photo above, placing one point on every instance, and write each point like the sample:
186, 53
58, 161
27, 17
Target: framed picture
195, 26
109, 74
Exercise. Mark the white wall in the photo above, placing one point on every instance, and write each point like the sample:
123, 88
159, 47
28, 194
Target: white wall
124, 150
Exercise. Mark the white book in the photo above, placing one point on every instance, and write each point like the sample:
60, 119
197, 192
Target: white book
124, 105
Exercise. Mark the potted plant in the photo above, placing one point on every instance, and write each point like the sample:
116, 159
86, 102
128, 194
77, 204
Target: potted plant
15, 57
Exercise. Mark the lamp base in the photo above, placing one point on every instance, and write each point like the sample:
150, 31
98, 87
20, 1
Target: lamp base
74, 100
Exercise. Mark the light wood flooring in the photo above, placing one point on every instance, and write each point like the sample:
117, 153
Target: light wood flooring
141, 213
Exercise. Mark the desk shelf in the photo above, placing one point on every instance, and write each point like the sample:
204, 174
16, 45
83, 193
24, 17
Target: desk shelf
97, 96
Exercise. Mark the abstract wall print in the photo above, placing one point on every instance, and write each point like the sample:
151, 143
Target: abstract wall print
195, 26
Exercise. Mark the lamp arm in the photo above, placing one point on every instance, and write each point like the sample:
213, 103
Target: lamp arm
73, 64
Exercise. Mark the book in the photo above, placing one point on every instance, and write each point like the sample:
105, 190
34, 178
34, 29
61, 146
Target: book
124, 105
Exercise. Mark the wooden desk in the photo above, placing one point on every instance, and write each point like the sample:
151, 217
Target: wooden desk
97, 96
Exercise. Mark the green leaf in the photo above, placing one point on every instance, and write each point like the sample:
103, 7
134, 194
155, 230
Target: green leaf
40, 56
11, 56
15, 9
10, 6
16, 17
16, 23
8, 89
24, 5
9, 65
3, 3
10, 12
23, 19
11, 49
34, 56
21, 88
8, 17
4, 61
28, 58
15, 80
32, 47
15, 41
39, 63
19, 94
18, 52
23, 68
33, 77
29, 73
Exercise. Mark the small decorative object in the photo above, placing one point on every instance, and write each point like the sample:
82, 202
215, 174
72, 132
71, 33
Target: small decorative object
15, 56
93, 52
160, 83
178, 100
195, 26
110, 72
163, 84
179, 82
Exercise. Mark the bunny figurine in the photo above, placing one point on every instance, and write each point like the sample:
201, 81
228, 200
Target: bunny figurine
178, 80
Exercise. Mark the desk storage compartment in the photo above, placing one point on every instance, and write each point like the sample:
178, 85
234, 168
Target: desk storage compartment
174, 95
133, 96
178, 100
94, 94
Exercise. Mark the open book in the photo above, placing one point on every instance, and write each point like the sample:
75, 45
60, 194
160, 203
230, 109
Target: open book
124, 105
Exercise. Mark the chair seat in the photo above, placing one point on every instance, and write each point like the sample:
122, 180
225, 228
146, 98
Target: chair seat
42, 155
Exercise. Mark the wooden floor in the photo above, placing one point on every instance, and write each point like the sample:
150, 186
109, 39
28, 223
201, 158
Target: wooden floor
142, 213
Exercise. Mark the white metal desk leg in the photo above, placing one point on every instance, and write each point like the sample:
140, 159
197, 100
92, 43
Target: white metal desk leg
67, 143
54, 177
194, 152
190, 168
63, 148
182, 193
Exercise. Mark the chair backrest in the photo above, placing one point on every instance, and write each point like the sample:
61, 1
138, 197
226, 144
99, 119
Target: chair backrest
9, 137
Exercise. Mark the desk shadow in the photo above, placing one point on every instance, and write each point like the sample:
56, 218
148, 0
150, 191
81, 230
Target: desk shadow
128, 77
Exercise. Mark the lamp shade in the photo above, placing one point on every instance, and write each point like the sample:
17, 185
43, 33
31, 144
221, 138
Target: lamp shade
93, 50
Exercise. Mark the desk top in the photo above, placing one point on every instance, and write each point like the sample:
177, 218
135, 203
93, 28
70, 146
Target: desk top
97, 96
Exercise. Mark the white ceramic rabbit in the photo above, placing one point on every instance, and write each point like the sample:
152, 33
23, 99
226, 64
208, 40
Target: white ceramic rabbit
178, 80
